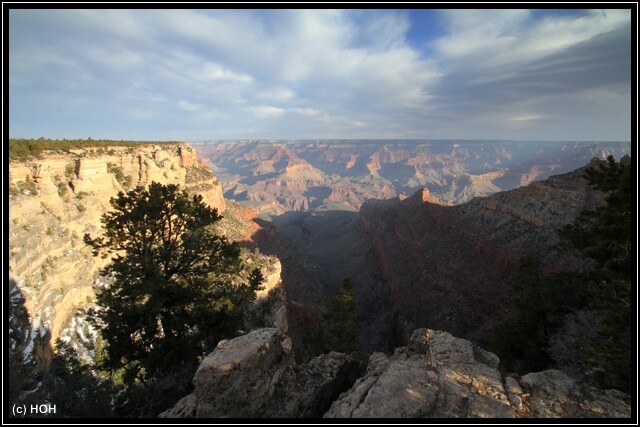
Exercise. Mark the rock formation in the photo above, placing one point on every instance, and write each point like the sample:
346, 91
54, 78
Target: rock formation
452, 268
275, 177
440, 376
436, 376
56, 199
418, 263
255, 375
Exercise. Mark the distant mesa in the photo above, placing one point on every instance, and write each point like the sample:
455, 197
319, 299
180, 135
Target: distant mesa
275, 177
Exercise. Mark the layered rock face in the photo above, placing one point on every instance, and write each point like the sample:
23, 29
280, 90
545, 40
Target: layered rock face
55, 200
418, 263
436, 376
255, 375
440, 376
277, 176
452, 268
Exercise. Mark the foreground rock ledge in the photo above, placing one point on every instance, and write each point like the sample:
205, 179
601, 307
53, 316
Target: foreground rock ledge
255, 375
436, 376
441, 376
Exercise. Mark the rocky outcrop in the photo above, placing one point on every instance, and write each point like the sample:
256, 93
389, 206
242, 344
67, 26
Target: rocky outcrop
276, 177
553, 394
255, 375
436, 376
420, 197
440, 376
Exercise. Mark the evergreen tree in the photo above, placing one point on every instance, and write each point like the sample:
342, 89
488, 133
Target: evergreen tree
541, 301
340, 326
550, 306
178, 288
341, 321
604, 235
77, 390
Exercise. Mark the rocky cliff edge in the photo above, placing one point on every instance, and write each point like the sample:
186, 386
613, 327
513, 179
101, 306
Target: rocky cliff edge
436, 376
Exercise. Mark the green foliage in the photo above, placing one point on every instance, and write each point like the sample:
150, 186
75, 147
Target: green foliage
541, 301
549, 305
24, 149
340, 327
118, 172
63, 188
75, 388
610, 356
28, 185
177, 285
70, 170
604, 234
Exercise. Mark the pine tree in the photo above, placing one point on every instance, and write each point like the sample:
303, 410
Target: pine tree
340, 326
550, 306
178, 288
604, 235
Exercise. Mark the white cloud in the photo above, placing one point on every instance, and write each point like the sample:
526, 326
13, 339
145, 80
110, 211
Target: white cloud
333, 71
267, 112
217, 72
279, 94
500, 38
309, 112
502, 70
189, 106
525, 117
472, 31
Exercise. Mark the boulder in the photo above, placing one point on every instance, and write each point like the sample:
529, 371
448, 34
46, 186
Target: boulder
255, 375
238, 378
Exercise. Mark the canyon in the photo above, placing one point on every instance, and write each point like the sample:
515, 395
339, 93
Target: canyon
444, 256
409, 227
417, 263
276, 177
54, 200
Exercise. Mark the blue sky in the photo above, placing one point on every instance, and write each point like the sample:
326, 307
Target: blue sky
296, 74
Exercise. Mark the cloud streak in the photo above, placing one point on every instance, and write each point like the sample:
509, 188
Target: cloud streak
215, 74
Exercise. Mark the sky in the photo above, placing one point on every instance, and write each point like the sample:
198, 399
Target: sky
320, 74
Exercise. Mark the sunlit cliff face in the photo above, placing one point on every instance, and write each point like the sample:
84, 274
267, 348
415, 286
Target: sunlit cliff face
55, 200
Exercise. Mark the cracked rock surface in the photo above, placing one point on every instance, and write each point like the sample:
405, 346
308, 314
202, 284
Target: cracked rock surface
441, 376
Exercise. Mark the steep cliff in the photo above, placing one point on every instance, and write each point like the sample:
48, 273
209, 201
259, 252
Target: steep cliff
58, 198
452, 267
